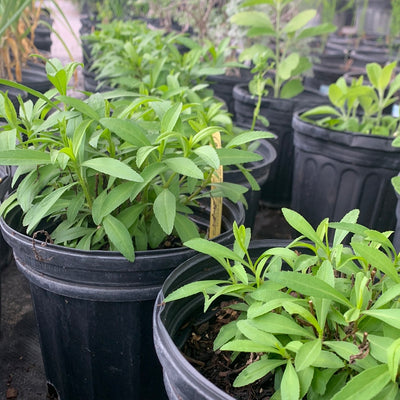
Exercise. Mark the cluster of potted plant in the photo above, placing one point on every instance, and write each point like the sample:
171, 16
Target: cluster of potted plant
344, 157
109, 188
313, 319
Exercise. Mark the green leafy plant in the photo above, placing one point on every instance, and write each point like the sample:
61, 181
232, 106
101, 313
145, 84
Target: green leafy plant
278, 65
396, 179
359, 107
117, 171
130, 55
326, 324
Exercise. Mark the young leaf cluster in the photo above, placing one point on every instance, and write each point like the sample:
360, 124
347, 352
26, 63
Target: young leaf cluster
278, 65
116, 171
323, 318
358, 106
130, 55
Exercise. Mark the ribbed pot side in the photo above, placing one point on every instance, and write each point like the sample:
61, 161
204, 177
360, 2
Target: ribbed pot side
335, 172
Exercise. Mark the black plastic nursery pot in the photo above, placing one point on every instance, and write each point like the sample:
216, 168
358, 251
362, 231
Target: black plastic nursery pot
276, 191
335, 172
172, 324
260, 171
5, 186
93, 311
34, 76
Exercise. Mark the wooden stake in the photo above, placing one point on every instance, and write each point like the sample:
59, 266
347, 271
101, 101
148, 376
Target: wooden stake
216, 202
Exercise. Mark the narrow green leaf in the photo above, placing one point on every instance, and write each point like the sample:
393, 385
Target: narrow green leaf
256, 370
299, 21
184, 166
393, 359
215, 250
236, 156
115, 198
280, 324
290, 384
165, 210
379, 346
171, 117
377, 259
185, 228
80, 106
387, 296
343, 349
208, 155
351, 217
192, 288
327, 359
40, 210
113, 167
225, 334
119, 236
127, 130
299, 223
24, 157
307, 354
130, 215
308, 285
247, 137
254, 19
366, 385
256, 335
247, 346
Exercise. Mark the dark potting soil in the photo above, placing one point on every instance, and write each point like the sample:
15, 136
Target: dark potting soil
217, 366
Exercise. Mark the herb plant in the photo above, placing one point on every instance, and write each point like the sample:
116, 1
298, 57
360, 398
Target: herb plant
117, 171
277, 66
359, 107
326, 325
132, 56
280, 56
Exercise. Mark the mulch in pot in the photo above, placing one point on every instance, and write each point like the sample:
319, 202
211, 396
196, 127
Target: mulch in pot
217, 366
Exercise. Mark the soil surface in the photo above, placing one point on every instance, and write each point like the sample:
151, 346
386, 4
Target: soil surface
217, 366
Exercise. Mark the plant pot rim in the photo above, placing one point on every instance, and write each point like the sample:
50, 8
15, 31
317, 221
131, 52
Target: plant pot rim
105, 255
351, 139
161, 334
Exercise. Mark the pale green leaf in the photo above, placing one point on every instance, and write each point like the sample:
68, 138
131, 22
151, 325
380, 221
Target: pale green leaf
192, 288
307, 354
299, 223
308, 285
40, 210
171, 117
290, 384
299, 21
165, 210
113, 167
184, 166
119, 236
24, 157
254, 19
393, 359
185, 228
256, 370
127, 130
208, 155
366, 385
377, 259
